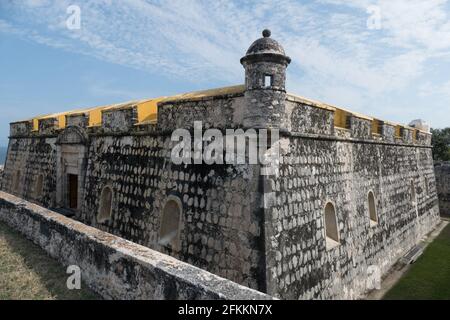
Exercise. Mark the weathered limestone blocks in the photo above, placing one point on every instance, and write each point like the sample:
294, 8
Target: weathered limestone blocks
48, 126
219, 112
265, 64
314, 118
309, 119
407, 135
221, 222
360, 128
388, 132
80, 120
22, 128
119, 119
423, 138
314, 172
27, 159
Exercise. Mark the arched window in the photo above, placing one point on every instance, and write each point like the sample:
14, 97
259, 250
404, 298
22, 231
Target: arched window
39, 186
331, 226
105, 208
372, 208
413, 192
16, 181
170, 223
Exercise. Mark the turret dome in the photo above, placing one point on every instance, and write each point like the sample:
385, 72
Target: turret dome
266, 47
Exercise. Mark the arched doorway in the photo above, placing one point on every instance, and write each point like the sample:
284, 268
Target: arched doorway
71, 168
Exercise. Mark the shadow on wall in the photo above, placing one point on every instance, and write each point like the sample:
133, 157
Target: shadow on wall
442, 172
33, 274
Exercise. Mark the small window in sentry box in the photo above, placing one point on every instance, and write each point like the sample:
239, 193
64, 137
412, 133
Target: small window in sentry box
268, 81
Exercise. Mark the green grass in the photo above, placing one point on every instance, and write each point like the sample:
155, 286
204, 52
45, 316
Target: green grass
28, 273
429, 277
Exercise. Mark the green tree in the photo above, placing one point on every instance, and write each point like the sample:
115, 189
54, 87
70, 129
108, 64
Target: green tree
441, 144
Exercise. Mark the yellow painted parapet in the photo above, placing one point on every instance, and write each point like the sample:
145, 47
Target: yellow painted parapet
61, 117
207, 93
310, 102
35, 124
95, 115
342, 115
147, 110
376, 126
354, 114
398, 131
340, 118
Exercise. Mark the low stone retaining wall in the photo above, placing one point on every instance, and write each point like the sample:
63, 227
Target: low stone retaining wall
114, 267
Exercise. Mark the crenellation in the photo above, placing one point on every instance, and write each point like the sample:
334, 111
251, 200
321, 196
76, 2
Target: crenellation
309, 119
407, 135
360, 128
22, 128
78, 120
223, 112
48, 126
388, 132
122, 119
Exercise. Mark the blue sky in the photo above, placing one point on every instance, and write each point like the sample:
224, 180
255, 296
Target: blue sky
133, 49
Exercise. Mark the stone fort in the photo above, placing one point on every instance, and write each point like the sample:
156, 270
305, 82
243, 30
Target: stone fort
351, 192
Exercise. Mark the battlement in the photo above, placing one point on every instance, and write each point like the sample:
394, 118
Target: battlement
119, 117
219, 108
261, 103
313, 117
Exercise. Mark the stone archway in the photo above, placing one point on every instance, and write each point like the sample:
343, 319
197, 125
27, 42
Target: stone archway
71, 148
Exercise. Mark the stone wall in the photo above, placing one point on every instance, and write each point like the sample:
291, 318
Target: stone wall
27, 158
265, 232
220, 112
220, 227
442, 171
343, 170
114, 267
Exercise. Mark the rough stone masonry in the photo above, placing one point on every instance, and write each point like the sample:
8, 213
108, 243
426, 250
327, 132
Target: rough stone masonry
114, 267
352, 192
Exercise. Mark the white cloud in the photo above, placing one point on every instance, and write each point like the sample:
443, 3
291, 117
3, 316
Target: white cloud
432, 89
335, 57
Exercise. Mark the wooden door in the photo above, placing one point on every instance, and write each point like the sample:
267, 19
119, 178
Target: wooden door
73, 191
